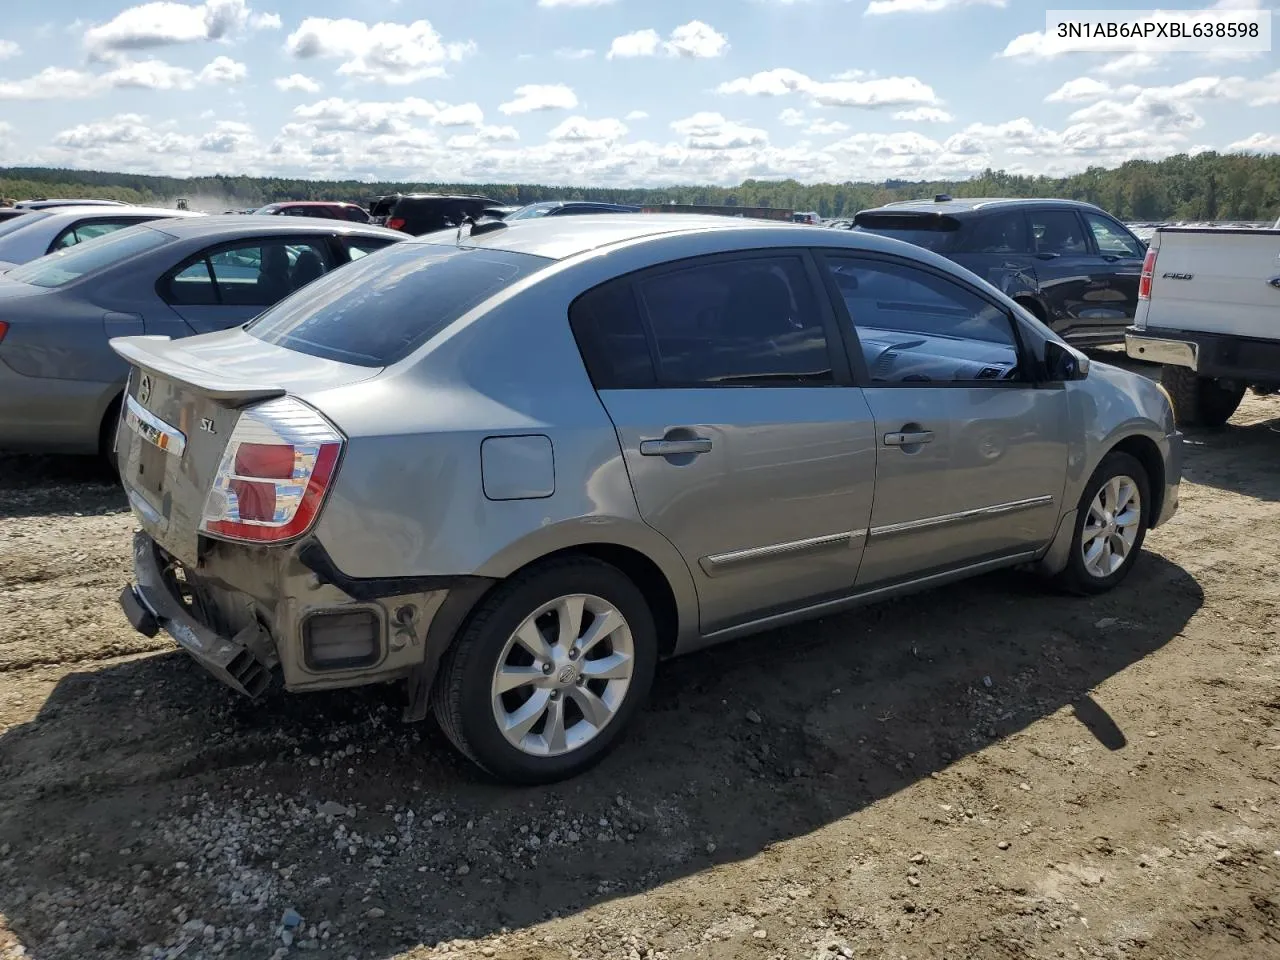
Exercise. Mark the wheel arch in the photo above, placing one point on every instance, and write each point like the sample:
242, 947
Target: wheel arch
1143, 449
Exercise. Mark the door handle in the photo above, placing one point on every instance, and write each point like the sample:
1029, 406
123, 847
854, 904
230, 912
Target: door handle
907, 439
674, 448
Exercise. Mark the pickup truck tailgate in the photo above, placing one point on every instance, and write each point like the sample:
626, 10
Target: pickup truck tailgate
1216, 281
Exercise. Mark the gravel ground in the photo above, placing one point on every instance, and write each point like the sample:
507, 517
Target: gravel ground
985, 771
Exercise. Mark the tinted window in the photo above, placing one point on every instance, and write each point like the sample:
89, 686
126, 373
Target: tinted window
736, 322
940, 234
915, 326
1111, 238
380, 309
64, 266
1057, 231
358, 247
254, 274
606, 323
999, 233
88, 231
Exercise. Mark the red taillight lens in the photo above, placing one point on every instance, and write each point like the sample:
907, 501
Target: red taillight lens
274, 474
396, 223
4, 328
1148, 271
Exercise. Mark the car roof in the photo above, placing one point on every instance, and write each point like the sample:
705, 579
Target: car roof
266, 224
445, 196
312, 203
559, 238
963, 205
81, 212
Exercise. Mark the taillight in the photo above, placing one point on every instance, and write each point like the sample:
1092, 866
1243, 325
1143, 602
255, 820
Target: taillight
274, 474
4, 328
1148, 271
396, 223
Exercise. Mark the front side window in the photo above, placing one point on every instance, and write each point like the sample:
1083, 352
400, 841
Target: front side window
380, 309
64, 266
918, 327
753, 321
1057, 232
1111, 238
254, 274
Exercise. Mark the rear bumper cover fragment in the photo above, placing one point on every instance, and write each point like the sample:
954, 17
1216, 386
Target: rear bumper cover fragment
151, 606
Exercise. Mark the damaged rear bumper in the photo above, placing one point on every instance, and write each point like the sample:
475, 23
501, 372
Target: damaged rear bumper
151, 605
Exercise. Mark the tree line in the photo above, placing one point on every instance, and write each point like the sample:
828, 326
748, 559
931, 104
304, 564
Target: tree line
1207, 186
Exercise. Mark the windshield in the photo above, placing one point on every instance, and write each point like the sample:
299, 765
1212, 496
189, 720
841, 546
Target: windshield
532, 210
22, 222
381, 308
59, 269
938, 234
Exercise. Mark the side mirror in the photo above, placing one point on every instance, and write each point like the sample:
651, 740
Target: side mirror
1063, 363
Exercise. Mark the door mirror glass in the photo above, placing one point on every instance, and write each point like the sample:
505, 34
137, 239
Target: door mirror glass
1064, 363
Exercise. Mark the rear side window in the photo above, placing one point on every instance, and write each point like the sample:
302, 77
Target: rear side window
358, 247
254, 274
999, 233
611, 337
65, 266
937, 233
88, 231
380, 309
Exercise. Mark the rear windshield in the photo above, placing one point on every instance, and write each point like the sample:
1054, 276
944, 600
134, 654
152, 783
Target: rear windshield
939, 234
381, 308
59, 269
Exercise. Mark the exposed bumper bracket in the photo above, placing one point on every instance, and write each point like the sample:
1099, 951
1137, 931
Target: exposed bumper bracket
1173, 353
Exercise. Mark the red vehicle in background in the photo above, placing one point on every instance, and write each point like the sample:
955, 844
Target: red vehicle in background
322, 209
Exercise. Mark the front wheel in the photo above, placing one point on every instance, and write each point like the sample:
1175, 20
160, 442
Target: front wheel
545, 676
1111, 524
1200, 401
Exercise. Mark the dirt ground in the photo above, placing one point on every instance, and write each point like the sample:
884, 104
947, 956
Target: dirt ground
986, 771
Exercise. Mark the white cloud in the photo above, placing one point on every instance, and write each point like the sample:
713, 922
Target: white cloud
880, 92
147, 75
695, 39
297, 81
227, 136
637, 115
924, 115
926, 6
392, 53
1257, 143
641, 43
580, 129
482, 136
335, 114
711, 131
1130, 64
223, 70
792, 117
1266, 92
9, 49
570, 53
823, 128
266, 21
533, 97
1081, 88
166, 22
459, 115
51, 83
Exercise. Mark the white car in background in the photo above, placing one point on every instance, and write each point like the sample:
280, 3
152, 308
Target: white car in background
41, 232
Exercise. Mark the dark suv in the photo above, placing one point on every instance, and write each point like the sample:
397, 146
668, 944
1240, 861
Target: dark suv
419, 213
1070, 263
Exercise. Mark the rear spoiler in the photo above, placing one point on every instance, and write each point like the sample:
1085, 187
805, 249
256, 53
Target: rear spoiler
160, 355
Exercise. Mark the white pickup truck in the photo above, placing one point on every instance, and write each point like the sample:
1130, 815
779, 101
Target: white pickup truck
1209, 311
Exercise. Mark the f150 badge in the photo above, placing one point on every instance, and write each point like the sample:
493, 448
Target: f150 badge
1178, 276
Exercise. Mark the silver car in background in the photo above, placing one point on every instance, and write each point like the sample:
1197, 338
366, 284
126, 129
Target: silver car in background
515, 467
44, 231
60, 382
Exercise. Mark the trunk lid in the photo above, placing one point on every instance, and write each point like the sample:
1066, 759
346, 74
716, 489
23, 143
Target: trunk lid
182, 403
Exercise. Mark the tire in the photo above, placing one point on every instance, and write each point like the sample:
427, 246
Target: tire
1199, 401
107, 437
466, 700
1080, 577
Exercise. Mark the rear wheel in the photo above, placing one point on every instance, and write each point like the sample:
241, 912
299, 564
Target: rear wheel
107, 437
544, 678
1200, 401
1111, 524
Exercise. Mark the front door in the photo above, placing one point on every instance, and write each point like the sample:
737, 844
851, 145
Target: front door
747, 445
1118, 266
1080, 303
972, 459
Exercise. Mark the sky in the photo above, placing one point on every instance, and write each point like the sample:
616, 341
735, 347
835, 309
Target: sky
607, 92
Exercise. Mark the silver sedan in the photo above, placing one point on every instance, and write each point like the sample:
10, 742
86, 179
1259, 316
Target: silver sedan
60, 383
43, 231
515, 467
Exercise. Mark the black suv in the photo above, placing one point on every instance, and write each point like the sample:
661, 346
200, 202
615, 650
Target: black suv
419, 213
1070, 263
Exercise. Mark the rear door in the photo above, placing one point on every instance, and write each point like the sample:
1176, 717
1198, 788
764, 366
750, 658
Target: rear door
747, 445
972, 459
229, 284
996, 246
